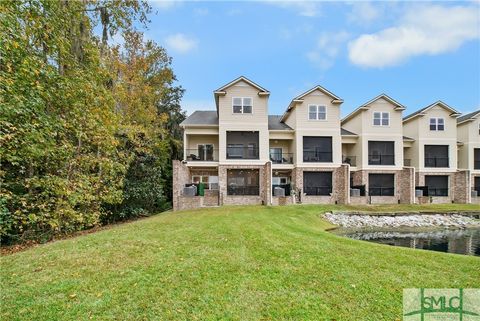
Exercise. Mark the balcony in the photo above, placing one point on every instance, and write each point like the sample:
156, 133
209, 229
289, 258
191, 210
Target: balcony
436, 162
381, 159
351, 160
243, 190
202, 155
381, 191
317, 190
433, 191
281, 158
317, 156
242, 152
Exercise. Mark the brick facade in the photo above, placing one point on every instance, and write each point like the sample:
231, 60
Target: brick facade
340, 184
404, 186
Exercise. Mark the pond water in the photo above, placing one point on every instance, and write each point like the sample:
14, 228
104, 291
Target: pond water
459, 241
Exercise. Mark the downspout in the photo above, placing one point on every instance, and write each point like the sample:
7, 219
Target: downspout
271, 177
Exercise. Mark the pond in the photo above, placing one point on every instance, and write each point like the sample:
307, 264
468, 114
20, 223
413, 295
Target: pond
459, 241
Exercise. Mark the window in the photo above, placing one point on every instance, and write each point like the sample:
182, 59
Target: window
276, 155
242, 105
317, 149
436, 156
317, 112
437, 185
437, 124
381, 153
381, 184
317, 183
211, 182
242, 145
381, 119
205, 152
243, 182
476, 158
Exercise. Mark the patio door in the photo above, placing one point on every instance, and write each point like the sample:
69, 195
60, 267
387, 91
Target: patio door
205, 152
276, 155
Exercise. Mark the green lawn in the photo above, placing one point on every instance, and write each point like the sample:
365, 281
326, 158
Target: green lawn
232, 263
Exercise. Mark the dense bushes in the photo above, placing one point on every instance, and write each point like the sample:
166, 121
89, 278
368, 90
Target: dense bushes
87, 129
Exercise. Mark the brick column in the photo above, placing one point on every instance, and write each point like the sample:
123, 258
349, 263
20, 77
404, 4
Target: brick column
461, 187
181, 176
341, 183
267, 181
406, 185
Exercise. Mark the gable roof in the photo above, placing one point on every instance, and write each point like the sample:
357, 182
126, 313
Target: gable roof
221, 91
468, 117
345, 132
299, 98
366, 105
275, 123
421, 112
201, 118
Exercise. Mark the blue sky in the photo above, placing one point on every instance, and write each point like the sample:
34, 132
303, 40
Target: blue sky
416, 52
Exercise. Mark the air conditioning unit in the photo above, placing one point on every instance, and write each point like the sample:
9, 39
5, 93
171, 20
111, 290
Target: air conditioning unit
474, 193
418, 193
354, 192
190, 191
279, 192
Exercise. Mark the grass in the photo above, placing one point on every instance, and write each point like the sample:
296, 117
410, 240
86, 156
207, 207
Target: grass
231, 263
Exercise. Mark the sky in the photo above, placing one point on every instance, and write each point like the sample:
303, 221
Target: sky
415, 52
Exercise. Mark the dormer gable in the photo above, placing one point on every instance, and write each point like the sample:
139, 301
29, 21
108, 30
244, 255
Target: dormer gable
240, 81
424, 111
366, 106
315, 91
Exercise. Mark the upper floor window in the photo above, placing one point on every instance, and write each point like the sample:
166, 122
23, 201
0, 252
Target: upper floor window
437, 124
242, 105
317, 112
381, 119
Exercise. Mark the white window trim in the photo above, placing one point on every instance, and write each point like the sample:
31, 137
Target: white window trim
242, 113
436, 124
381, 118
316, 113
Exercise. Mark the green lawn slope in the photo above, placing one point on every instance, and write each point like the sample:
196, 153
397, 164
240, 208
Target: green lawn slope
230, 263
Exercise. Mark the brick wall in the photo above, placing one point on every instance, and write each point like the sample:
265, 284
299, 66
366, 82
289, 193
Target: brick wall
420, 181
181, 176
340, 183
240, 199
461, 187
404, 186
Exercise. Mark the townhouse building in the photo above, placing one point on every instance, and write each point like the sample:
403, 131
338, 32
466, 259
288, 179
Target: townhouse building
468, 133
376, 155
434, 154
240, 155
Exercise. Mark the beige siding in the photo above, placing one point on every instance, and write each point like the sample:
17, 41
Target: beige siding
468, 134
329, 127
257, 121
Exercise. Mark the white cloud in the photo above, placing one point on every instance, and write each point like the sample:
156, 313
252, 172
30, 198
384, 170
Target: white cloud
181, 43
303, 8
164, 4
192, 105
364, 12
423, 30
327, 48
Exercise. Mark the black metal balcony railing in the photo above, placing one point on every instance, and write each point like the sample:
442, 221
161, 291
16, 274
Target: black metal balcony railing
437, 191
316, 156
243, 190
436, 162
286, 187
242, 153
381, 191
407, 162
351, 160
281, 158
476, 164
208, 155
381, 159
317, 190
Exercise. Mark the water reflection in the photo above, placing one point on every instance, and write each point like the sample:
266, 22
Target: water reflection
460, 241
